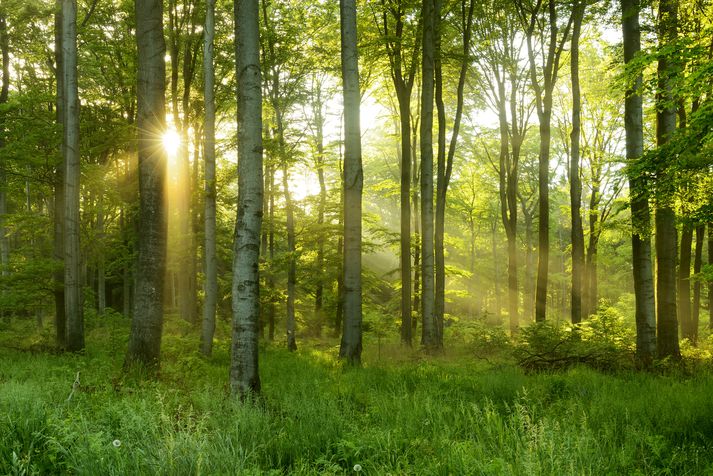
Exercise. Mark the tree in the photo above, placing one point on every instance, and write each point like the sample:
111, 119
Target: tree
547, 23
244, 376
504, 88
58, 242
4, 93
640, 215
666, 234
351, 346
70, 149
575, 190
445, 159
396, 49
211, 273
429, 331
147, 319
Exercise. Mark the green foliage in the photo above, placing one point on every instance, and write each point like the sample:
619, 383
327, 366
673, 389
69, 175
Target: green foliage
602, 342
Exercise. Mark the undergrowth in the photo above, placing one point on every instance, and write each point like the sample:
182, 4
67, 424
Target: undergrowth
402, 413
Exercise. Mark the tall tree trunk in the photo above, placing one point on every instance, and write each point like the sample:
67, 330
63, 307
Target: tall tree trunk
543, 101
351, 345
666, 234
403, 87
684, 283
4, 93
429, 330
697, 265
445, 158
439, 228
70, 145
415, 181
291, 261
211, 272
710, 284
319, 130
640, 215
244, 377
101, 271
575, 184
271, 257
58, 245
147, 319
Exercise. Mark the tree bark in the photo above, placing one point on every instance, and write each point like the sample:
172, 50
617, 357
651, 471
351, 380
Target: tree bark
429, 330
58, 242
4, 93
147, 319
211, 273
640, 215
684, 283
575, 189
543, 101
351, 345
244, 376
710, 284
291, 260
70, 145
666, 235
403, 86
697, 265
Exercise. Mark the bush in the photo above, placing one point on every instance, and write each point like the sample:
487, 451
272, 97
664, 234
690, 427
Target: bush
602, 342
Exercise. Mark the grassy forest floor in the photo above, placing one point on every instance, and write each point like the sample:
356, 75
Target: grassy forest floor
402, 413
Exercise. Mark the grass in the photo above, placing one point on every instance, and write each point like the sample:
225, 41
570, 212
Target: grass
401, 413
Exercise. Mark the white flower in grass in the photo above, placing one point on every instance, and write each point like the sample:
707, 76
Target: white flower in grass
116, 443
357, 468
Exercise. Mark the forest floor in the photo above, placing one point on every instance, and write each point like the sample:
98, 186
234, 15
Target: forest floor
401, 413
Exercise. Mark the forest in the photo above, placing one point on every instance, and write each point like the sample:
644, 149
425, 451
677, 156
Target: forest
368, 236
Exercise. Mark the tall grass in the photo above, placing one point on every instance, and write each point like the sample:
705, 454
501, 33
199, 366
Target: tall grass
403, 414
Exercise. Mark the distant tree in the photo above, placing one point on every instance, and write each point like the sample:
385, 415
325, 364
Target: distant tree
147, 319
4, 93
575, 190
429, 328
542, 26
211, 272
244, 376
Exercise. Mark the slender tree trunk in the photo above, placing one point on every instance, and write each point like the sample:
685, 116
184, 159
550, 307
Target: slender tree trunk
405, 202
496, 272
70, 144
439, 228
697, 265
147, 319
101, 271
640, 215
291, 262
666, 234
684, 283
710, 284
415, 180
211, 272
543, 99
4, 93
351, 345
319, 291
429, 331
575, 189
271, 258
244, 377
